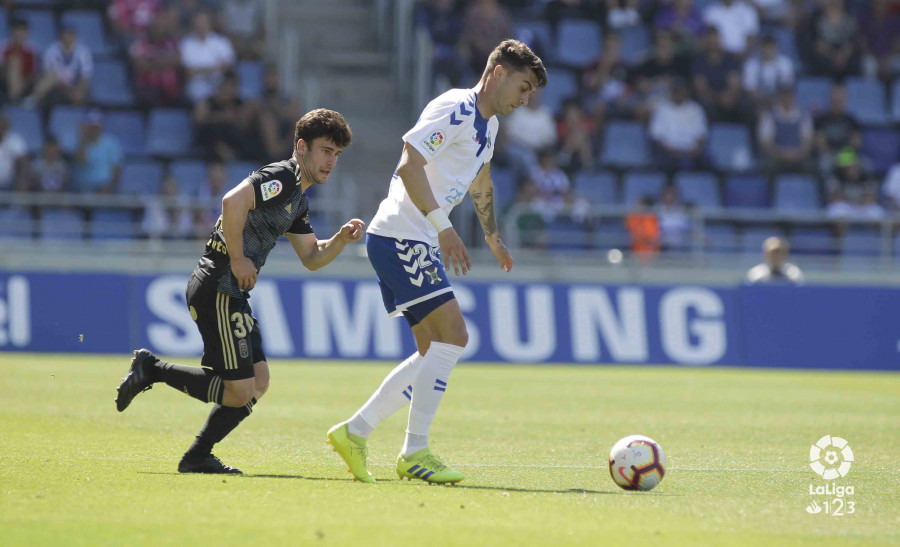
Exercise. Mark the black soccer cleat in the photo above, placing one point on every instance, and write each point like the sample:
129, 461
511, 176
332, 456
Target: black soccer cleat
138, 379
206, 464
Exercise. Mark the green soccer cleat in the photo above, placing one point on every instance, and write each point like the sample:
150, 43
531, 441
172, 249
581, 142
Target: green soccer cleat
426, 466
352, 450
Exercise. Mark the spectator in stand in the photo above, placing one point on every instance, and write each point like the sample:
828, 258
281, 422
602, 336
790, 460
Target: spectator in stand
486, 24
19, 66
211, 193
576, 134
50, 171
186, 11
156, 63
775, 268
222, 124
528, 130
13, 157
836, 130
557, 10
766, 73
131, 19
98, 159
879, 27
653, 77
206, 57
161, 218
838, 207
643, 227
835, 42
683, 21
674, 221
605, 81
528, 222
851, 175
869, 208
554, 191
776, 12
242, 23
622, 13
678, 131
786, 136
68, 66
444, 24
737, 23
717, 82
891, 187
277, 115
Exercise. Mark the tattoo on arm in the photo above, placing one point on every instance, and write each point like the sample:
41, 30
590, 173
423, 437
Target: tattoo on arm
484, 208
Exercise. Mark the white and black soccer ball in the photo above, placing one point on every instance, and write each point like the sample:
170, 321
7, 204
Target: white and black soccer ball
637, 463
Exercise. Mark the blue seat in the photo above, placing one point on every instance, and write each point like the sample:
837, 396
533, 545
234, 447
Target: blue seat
250, 79
861, 241
141, 178
721, 238
61, 224
699, 188
110, 85
504, 186
537, 34
600, 188
866, 101
637, 185
796, 193
64, 124
128, 127
41, 28
89, 26
237, 171
882, 147
730, 148
112, 224
814, 93
169, 132
190, 174
752, 237
27, 123
812, 240
746, 191
578, 42
895, 101
611, 234
564, 234
897, 245
16, 222
787, 43
635, 44
4, 27
561, 84
625, 145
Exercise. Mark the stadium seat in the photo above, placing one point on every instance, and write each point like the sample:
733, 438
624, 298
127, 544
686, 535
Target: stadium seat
16, 222
538, 35
635, 44
796, 193
238, 171
504, 186
112, 224
561, 84
813, 94
895, 101
61, 224
625, 145
89, 26
169, 132
578, 42
250, 79
128, 127
564, 234
64, 124
4, 27
866, 101
897, 245
746, 191
752, 237
787, 43
141, 178
41, 28
699, 188
812, 240
882, 147
730, 147
720, 238
27, 123
600, 188
190, 174
861, 241
637, 185
110, 85
611, 234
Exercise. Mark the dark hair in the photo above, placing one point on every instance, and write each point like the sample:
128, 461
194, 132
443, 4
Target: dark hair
515, 55
323, 123
19, 22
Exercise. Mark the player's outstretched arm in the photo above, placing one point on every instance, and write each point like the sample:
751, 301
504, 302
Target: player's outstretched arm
315, 253
412, 173
235, 206
482, 192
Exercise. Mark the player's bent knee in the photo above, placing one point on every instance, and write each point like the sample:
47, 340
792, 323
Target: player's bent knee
261, 370
238, 392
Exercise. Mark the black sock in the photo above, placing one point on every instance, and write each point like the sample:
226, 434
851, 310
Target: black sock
200, 383
221, 421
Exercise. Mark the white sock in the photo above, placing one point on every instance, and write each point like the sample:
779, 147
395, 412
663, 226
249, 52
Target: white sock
428, 390
393, 394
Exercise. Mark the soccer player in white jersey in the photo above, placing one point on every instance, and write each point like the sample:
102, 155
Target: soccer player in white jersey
446, 154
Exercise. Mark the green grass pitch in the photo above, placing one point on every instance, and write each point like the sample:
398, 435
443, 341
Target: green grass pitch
533, 442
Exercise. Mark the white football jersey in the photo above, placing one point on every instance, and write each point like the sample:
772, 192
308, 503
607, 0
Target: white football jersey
457, 142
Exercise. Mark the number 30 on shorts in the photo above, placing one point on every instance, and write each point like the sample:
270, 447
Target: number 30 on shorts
243, 324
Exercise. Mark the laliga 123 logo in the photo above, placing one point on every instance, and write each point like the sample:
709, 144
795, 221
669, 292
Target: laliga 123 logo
825, 455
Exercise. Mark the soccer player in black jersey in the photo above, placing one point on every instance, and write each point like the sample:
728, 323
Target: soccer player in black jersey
267, 204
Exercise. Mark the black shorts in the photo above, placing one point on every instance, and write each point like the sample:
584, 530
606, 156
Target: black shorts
231, 339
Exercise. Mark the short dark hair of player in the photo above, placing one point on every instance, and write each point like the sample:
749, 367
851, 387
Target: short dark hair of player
323, 123
515, 55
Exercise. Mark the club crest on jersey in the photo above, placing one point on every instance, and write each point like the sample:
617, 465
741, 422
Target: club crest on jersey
270, 189
434, 141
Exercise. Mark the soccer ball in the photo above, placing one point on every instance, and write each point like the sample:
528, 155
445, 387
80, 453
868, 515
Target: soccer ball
637, 463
